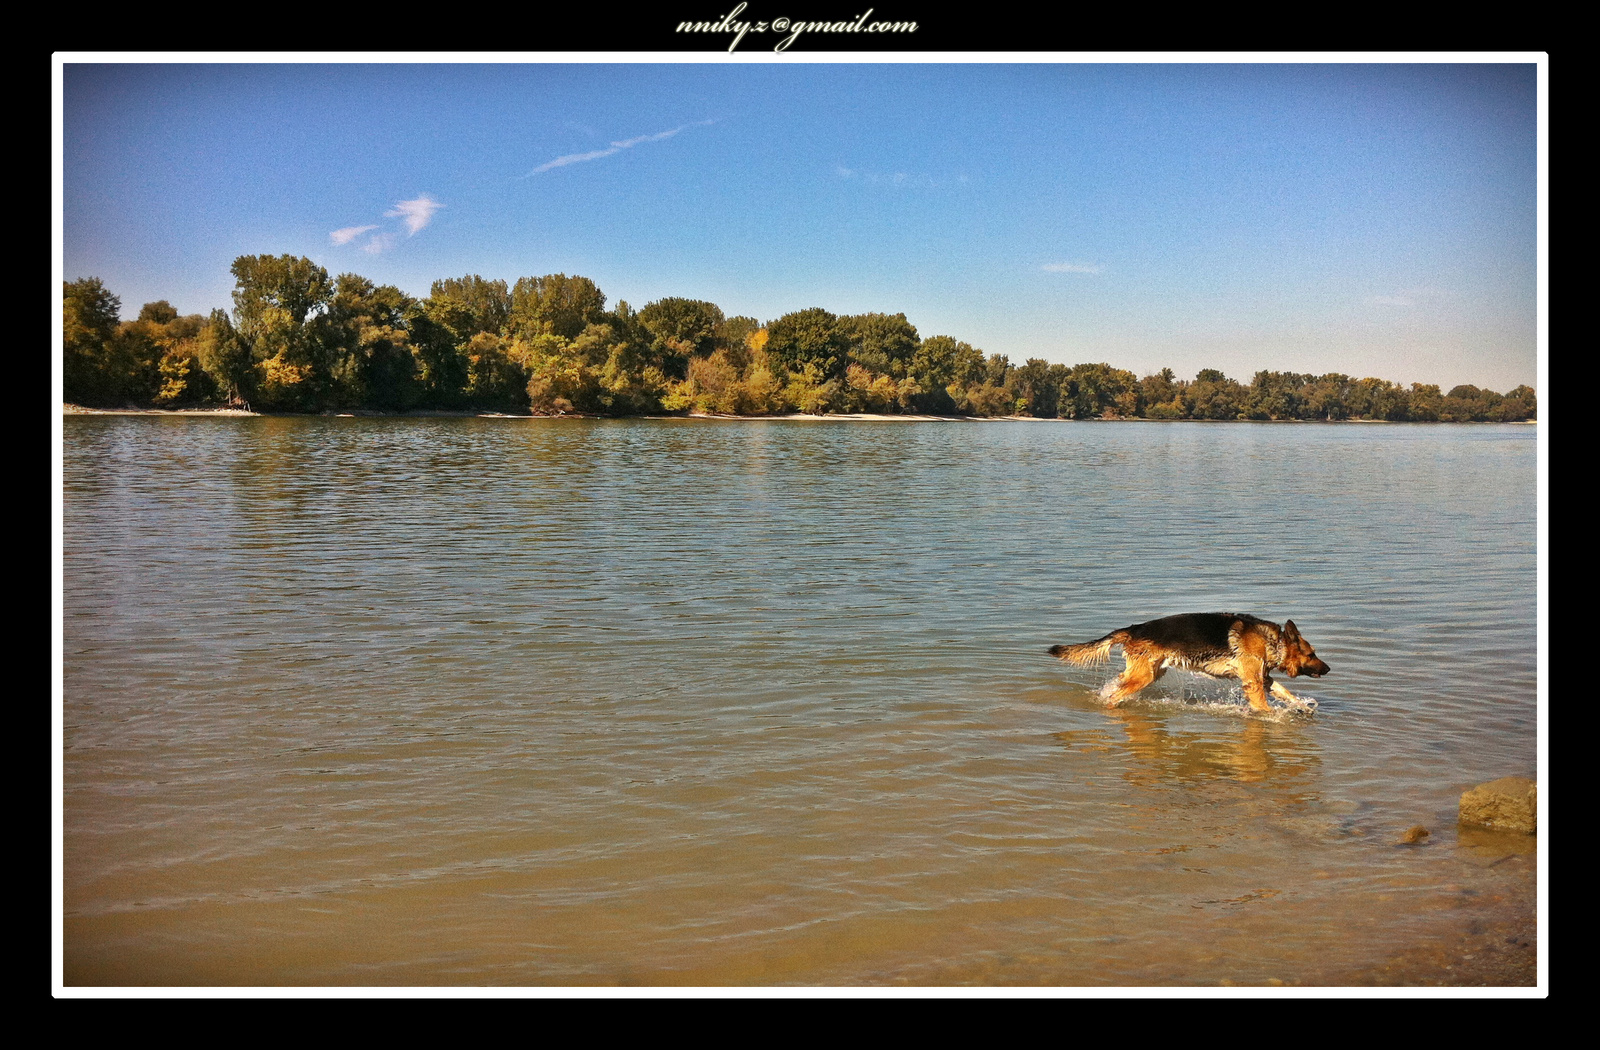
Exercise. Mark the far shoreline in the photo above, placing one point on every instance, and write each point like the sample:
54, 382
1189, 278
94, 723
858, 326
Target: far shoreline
70, 409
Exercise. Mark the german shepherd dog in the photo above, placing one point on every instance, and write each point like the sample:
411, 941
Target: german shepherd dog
1222, 645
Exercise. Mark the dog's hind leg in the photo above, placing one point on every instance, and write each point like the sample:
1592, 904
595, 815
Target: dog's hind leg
1140, 672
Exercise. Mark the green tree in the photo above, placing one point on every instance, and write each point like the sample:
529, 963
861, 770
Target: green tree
226, 358
555, 305
559, 381
469, 305
1035, 383
763, 386
497, 377
276, 300
864, 390
266, 285
1372, 398
983, 399
811, 390
181, 377
713, 384
159, 312
1426, 402
809, 337
987, 388
90, 316
602, 371
1213, 395
1160, 389
1519, 404
442, 328
1274, 395
135, 358
1095, 390
939, 363
1326, 397
631, 380
1467, 402
681, 329
736, 334
441, 360
367, 334
997, 370
881, 343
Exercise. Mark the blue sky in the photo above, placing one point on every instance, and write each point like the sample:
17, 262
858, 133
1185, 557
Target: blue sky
1372, 219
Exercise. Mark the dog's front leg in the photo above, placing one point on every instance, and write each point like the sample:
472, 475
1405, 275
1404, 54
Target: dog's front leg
1282, 693
1253, 675
1256, 693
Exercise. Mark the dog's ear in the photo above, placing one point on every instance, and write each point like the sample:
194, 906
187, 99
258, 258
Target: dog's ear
1290, 631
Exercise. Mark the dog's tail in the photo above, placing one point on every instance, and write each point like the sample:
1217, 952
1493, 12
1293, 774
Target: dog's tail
1086, 653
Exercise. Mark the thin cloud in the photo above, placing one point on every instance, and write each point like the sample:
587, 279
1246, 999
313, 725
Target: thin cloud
657, 137
575, 158
1071, 267
898, 180
349, 233
416, 213
615, 147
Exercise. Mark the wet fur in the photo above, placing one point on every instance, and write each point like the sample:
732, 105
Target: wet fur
1222, 645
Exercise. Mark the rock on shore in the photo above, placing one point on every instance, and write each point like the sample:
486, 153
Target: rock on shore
1507, 804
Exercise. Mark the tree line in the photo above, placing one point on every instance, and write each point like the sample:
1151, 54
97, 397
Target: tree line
298, 340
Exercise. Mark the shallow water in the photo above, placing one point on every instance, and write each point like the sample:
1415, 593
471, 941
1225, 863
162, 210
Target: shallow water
515, 701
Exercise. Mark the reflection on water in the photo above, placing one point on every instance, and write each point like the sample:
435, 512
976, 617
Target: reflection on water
414, 701
1160, 754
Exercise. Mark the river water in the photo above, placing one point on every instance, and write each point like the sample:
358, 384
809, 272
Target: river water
511, 701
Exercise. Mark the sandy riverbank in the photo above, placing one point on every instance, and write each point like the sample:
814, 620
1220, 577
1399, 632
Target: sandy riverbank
79, 410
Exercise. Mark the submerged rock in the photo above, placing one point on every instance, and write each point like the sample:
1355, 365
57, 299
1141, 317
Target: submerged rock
1414, 835
1507, 804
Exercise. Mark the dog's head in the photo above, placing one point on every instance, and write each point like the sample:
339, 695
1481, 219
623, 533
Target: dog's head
1298, 656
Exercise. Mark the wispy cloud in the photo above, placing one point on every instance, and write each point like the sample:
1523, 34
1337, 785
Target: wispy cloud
1071, 267
380, 242
615, 147
349, 233
575, 158
892, 179
416, 213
